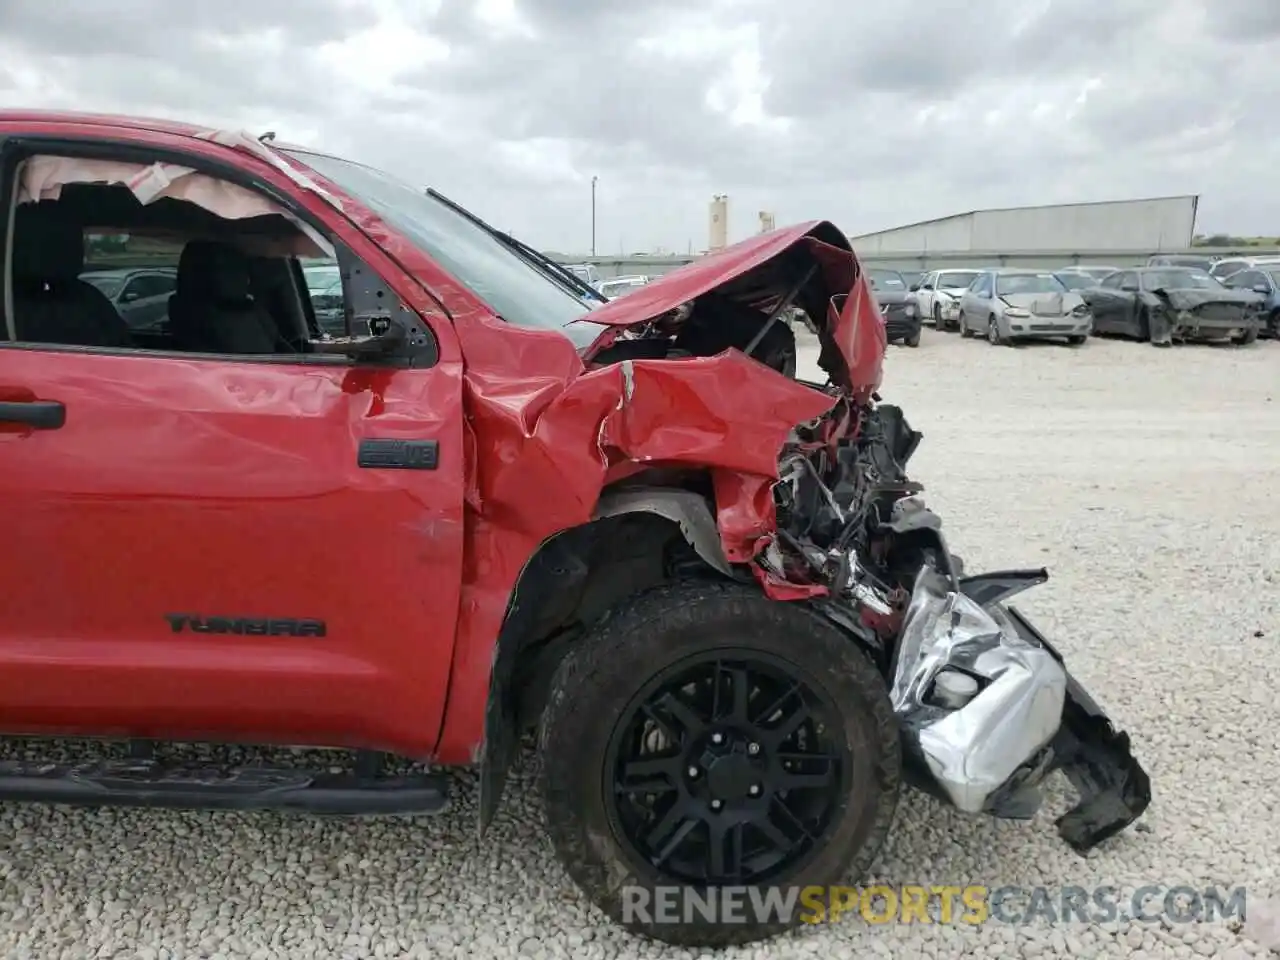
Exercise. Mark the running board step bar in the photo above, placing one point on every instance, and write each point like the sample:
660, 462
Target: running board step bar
148, 783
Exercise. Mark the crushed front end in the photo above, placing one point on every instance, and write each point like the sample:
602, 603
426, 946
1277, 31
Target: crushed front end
988, 709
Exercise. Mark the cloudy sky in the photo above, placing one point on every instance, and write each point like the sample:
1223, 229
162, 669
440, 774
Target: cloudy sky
867, 114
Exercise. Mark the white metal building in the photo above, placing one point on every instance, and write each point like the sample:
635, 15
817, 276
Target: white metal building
1151, 225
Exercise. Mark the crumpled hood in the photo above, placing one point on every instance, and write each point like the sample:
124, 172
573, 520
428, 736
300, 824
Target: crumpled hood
760, 272
1044, 304
1188, 298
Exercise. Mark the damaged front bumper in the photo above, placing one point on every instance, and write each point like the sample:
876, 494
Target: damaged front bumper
1187, 326
989, 711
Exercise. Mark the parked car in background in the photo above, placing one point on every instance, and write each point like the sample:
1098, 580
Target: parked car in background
1232, 265
140, 296
897, 306
1076, 280
1263, 280
586, 272
1164, 304
938, 296
912, 278
1084, 273
1008, 305
1182, 260
615, 287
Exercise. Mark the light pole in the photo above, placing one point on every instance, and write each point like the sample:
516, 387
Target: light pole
593, 215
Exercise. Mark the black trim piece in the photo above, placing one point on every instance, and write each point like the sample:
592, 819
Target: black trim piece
149, 783
37, 414
379, 454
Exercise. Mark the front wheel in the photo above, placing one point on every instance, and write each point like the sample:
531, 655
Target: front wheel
1246, 338
1075, 341
993, 332
964, 326
690, 743
937, 319
913, 339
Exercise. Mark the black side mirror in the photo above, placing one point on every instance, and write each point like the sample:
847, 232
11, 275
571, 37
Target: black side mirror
914, 287
1261, 288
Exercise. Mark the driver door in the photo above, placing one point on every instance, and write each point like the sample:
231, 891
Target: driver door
1126, 315
251, 546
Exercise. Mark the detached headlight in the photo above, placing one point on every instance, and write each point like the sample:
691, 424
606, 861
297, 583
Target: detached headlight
1017, 313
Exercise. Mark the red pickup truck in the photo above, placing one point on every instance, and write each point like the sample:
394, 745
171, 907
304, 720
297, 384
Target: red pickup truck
487, 509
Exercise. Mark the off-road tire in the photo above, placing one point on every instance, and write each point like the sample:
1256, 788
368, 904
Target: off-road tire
631, 645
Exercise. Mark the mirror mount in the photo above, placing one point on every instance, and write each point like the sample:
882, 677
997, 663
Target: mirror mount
391, 338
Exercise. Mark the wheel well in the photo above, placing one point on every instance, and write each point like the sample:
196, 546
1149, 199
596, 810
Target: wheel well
638, 541
600, 565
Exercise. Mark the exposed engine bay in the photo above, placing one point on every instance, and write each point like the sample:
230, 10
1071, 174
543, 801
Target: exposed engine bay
987, 708
703, 328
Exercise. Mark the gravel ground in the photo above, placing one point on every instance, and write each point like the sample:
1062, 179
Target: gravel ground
1144, 479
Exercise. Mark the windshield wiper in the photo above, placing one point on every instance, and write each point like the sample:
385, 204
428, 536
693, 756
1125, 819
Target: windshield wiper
556, 271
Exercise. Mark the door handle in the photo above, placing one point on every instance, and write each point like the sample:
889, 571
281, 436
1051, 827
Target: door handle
37, 414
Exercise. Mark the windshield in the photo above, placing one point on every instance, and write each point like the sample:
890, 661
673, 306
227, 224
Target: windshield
1011, 283
1180, 280
109, 284
956, 280
514, 289
886, 280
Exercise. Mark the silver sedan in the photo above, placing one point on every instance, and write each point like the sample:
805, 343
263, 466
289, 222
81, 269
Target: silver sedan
1009, 305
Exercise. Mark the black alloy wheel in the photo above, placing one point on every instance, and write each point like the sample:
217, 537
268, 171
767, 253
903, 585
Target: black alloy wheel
725, 771
701, 736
